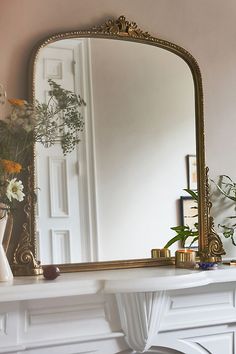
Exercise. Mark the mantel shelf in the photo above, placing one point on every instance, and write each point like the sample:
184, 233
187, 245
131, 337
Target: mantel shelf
113, 281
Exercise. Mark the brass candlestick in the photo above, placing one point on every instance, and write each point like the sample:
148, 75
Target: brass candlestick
160, 253
185, 258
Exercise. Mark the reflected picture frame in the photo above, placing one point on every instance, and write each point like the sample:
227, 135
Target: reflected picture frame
189, 216
192, 172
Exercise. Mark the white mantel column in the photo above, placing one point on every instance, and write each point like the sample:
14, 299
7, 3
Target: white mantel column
140, 315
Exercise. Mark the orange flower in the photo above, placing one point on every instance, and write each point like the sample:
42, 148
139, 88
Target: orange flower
11, 166
16, 102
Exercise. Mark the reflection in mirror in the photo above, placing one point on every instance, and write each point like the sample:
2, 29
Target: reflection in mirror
117, 195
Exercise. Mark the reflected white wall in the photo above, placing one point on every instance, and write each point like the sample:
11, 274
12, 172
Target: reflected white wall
144, 127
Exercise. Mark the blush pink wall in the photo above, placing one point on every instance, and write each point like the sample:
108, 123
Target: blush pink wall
206, 28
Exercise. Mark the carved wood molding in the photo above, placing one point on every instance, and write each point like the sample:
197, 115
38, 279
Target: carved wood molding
24, 258
214, 247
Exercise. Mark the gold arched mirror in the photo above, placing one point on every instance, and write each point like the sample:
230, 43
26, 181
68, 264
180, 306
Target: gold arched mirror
116, 197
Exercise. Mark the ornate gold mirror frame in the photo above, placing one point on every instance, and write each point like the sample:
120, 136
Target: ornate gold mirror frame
24, 258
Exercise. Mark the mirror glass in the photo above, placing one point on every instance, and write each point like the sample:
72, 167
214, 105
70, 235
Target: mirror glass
118, 194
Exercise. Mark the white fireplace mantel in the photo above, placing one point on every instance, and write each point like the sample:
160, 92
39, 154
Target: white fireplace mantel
113, 281
107, 312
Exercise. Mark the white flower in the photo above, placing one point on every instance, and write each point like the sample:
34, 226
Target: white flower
14, 190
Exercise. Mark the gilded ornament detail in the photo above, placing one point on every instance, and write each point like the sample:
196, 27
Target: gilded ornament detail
213, 245
24, 257
121, 27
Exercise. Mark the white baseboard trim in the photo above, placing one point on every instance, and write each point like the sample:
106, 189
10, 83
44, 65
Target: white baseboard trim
60, 342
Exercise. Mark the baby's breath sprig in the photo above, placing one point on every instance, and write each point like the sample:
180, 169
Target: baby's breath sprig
60, 120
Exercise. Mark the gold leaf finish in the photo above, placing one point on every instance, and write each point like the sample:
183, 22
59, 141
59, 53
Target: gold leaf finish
213, 245
24, 257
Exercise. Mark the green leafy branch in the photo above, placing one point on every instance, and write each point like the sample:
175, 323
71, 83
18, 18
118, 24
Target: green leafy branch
60, 119
227, 187
184, 231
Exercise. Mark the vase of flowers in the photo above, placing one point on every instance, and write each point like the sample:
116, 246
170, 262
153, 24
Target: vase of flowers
5, 270
14, 140
57, 121
11, 192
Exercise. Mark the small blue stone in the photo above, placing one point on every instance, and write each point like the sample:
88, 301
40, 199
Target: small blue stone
206, 265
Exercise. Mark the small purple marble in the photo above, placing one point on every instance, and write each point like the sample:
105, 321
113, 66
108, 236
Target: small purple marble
51, 272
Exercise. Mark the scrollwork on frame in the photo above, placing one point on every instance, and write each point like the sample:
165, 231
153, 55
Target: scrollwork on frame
24, 258
214, 247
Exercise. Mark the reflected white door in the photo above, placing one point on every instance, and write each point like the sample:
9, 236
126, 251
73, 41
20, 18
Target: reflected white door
62, 224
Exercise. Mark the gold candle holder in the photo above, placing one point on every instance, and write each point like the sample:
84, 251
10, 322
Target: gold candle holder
185, 258
160, 253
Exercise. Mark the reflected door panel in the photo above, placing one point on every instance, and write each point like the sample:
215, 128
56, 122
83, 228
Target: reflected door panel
61, 230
